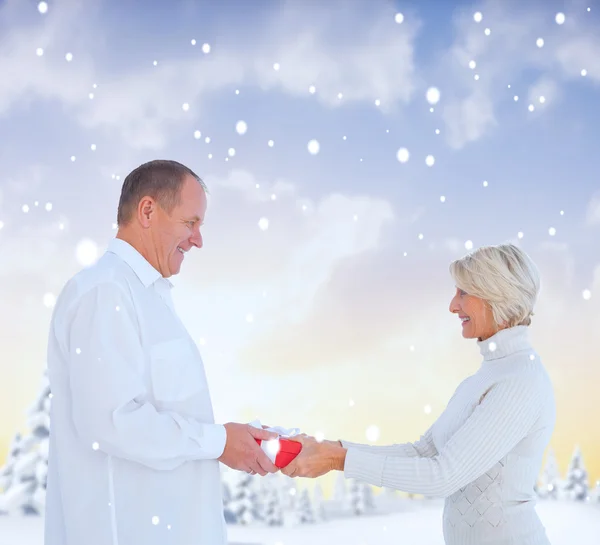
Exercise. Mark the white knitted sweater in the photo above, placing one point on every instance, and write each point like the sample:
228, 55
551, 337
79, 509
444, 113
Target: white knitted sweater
483, 454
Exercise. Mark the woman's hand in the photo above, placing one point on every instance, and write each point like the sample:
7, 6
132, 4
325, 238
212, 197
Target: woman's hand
316, 458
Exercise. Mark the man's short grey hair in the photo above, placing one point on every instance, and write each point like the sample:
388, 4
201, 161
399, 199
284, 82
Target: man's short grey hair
505, 277
160, 179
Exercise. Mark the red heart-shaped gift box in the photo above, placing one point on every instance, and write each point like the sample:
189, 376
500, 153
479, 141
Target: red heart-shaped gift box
288, 450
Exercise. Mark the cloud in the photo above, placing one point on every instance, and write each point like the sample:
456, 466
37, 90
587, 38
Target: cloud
593, 211
28, 77
366, 56
508, 55
468, 119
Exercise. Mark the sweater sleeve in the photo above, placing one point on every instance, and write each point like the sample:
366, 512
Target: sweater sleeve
498, 423
423, 447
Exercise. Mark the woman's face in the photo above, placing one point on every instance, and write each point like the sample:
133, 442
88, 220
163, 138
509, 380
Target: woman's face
475, 314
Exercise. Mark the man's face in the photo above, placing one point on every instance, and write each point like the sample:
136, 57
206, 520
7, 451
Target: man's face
177, 233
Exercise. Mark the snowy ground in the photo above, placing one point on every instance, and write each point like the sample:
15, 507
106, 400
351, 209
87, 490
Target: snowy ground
566, 523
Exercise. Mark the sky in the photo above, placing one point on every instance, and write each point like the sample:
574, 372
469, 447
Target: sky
352, 150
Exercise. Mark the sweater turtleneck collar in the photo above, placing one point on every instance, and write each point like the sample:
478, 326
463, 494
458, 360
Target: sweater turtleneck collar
505, 342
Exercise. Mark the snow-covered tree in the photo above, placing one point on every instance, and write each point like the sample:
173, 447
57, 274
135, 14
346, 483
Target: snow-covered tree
7, 471
319, 503
549, 482
242, 506
369, 498
357, 497
272, 514
228, 513
24, 476
306, 513
341, 495
576, 481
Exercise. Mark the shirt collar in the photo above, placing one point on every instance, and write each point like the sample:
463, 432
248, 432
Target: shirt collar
147, 274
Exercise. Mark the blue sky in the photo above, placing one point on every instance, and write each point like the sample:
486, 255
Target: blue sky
334, 301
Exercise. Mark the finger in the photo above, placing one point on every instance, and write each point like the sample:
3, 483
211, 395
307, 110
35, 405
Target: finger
262, 434
287, 470
265, 463
256, 469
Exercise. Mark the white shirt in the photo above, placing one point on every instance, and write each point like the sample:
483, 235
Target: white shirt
133, 442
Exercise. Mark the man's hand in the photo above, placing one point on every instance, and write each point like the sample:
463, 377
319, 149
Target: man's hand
243, 453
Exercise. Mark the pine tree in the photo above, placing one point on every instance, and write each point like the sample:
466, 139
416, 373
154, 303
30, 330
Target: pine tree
368, 496
319, 503
576, 482
305, 509
228, 513
357, 497
549, 484
242, 505
595, 495
273, 513
25, 474
341, 495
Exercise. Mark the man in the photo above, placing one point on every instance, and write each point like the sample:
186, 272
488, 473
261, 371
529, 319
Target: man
134, 448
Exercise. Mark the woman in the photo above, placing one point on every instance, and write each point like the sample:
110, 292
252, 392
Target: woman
483, 454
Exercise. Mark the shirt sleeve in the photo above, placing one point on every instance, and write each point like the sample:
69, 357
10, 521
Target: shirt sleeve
110, 407
423, 447
503, 418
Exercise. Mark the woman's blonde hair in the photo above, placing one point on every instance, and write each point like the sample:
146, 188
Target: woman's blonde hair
505, 277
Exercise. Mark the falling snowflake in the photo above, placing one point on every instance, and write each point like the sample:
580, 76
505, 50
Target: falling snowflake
540, 42
469, 244
560, 18
313, 147
69, 57
263, 224
86, 252
587, 294
430, 160
372, 433
399, 18
241, 127
477, 17
43, 7
39, 51
403, 155
206, 48
433, 95
49, 300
